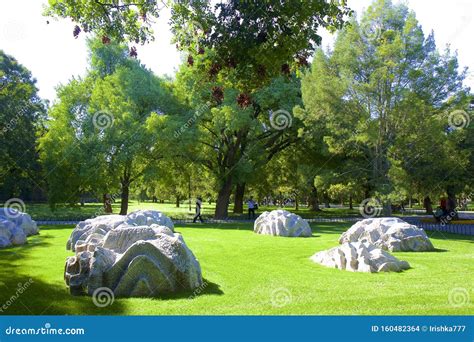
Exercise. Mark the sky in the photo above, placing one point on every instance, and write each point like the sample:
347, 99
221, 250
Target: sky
53, 56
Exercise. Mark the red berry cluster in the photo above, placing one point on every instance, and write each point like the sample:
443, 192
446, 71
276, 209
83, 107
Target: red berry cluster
218, 94
190, 60
244, 100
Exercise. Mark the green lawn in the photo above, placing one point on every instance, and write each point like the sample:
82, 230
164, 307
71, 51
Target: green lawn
42, 212
242, 270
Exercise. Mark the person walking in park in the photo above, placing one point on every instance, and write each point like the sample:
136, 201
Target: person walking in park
198, 210
252, 206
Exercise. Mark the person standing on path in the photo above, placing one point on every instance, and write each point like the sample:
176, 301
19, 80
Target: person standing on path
198, 210
252, 206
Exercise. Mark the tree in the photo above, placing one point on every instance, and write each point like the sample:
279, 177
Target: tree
232, 64
382, 70
22, 114
109, 128
233, 140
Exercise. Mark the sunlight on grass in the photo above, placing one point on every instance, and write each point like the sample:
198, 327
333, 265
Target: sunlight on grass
243, 270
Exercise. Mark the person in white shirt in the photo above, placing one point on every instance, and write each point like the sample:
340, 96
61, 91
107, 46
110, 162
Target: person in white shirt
252, 206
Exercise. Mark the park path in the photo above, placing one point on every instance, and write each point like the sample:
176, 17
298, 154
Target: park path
463, 229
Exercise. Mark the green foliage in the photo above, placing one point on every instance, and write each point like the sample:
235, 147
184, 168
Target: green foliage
234, 259
255, 39
108, 129
128, 20
382, 97
22, 114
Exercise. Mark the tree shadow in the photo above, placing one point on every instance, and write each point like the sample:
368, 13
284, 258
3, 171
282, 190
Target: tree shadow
47, 294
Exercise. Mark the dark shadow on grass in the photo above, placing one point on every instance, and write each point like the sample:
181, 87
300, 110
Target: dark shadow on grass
26, 295
56, 227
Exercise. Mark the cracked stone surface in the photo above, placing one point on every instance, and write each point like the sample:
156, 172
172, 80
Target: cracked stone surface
360, 257
282, 223
389, 233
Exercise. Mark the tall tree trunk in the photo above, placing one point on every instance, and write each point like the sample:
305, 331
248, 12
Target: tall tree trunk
387, 208
177, 201
124, 197
326, 200
428, 205
410, 199
351, 206
451, 204
223, 196
313, 199
297, 204
189, 192
239, 198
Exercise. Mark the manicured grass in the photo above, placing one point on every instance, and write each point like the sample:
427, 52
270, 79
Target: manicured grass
244, 271
42, 211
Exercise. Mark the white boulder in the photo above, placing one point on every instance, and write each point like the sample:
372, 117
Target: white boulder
282, 223
96, 228
389, 233
134, 261
15, 226
147, 218
360, 257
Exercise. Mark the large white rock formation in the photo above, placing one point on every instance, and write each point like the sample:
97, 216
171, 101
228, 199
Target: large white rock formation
281, 223
389, 233
134, 261
360, 257
96, 228
137, 255
15, 226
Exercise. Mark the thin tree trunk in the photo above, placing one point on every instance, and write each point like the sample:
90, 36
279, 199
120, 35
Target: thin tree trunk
189, 193
297, 204
427, 204
124, 197
326, 200
451, 204
351, 206
107, 204
239, 198
177, 201
387, 208
222, 205
313, 199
